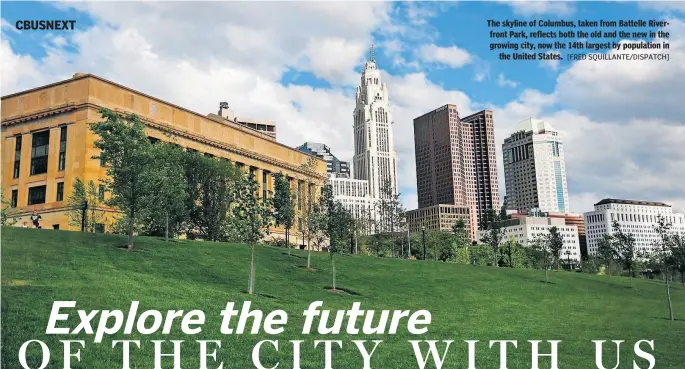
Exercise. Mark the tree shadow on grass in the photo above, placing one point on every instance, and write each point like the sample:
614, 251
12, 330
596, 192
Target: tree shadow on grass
261, 295
664, 318
341, 290
548, 282
307, 269
135, 249
295, 256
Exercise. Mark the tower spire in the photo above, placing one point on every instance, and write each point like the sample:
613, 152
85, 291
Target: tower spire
372, 54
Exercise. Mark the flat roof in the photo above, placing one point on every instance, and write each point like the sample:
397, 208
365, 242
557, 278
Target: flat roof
631, 202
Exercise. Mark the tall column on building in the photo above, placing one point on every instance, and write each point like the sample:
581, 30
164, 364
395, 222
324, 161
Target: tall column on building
534, 169
374, 151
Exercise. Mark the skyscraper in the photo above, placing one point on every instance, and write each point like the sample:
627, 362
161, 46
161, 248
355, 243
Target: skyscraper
333, 165
374, 151
455, 160
534, 170
479, 138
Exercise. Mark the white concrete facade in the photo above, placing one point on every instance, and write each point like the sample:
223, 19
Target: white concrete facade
374, 159
636, 217
525, 229
534, 168
353, 194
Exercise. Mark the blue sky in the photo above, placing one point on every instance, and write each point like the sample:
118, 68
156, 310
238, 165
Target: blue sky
298, 64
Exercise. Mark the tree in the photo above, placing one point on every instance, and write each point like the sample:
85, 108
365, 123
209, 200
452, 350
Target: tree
341, 224
606, 252
307, 218
556, 243
6, 219
510, 247
125, 152
164, 208
284, 205
664, 256
624, 244
444, 246
461, 234
212, 188
677, 246
540, 246
494, 233
391, 213
258, 215
95, 214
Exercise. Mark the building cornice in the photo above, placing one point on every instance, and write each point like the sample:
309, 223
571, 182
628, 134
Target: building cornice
79, 76
44, 113
165, 127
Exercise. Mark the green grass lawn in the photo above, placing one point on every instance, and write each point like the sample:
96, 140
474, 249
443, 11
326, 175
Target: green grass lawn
466, 302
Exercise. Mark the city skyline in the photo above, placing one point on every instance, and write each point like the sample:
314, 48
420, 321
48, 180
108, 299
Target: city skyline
307, 85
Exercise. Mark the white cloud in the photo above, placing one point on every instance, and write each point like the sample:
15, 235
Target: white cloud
6, 25
622, 121
528, 8
504, 82
552, 65
333, 58
666, 6
452, 56
612, 90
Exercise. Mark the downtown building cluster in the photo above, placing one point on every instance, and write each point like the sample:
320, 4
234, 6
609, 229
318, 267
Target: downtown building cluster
47, 146
374, 165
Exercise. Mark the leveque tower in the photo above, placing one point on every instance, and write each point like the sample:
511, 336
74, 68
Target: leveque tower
374, 159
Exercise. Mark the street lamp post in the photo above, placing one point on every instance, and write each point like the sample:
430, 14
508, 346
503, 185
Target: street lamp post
84, 207
408, 243
423, 239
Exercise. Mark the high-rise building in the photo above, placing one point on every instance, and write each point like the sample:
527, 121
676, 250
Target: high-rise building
374, 150
353, 194
479, 129
340, 168
636, 217
456, 161
534, 169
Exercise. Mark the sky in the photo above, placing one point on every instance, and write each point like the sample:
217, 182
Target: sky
298, 63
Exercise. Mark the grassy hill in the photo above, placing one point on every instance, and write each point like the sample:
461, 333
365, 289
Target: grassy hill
466, 302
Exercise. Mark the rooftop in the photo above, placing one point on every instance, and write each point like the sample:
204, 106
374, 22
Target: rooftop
631, 202
533, 125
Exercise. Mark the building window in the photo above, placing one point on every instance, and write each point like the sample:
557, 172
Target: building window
15, 198
62, 148
60, 191
299, 195
265, 190
55, 226
101, 192
37, 195
17, 157
39, 152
